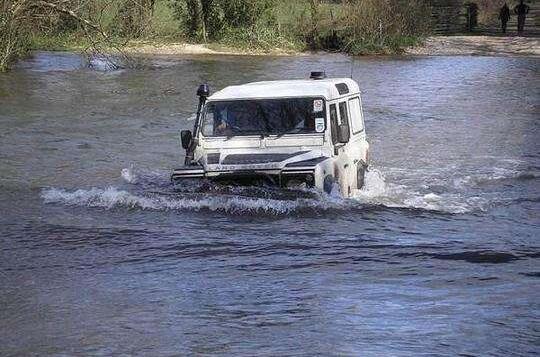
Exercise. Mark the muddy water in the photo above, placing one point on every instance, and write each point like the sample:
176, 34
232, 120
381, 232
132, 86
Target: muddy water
101, 255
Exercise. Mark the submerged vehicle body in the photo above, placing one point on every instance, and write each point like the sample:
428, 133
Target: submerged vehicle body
291, 134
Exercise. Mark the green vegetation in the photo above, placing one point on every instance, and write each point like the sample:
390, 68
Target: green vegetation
57, 42
351, 26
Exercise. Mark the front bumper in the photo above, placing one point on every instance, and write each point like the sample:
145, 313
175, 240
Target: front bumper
288, 177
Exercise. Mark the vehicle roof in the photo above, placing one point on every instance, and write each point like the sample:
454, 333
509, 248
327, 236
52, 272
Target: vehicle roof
290, 88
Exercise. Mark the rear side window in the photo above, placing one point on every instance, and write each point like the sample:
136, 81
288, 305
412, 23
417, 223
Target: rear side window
333, 123
357, 120
343, 113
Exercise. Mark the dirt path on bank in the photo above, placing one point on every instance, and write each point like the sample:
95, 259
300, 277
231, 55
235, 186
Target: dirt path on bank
196, 49
477, 46
432, 46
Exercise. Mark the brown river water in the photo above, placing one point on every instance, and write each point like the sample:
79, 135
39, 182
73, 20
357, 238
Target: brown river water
101, 255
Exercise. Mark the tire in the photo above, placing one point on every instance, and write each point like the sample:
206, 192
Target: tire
328, 184
360, 176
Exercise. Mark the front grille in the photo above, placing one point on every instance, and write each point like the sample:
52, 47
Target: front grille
246, 159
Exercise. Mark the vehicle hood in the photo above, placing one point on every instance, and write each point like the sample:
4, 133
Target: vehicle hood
233, 161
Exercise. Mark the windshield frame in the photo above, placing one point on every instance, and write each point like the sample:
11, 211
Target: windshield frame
323, 113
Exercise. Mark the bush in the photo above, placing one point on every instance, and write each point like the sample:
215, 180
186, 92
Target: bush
259, 37
255, 27
133, 18
364, 26
204, 20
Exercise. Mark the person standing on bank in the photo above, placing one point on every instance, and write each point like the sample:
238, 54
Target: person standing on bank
504, 16
521, 10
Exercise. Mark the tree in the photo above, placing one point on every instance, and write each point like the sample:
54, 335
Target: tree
20, 19
208, 19
133, 17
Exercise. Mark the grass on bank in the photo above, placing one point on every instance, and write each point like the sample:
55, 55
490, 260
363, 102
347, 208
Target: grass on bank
237, 41
58, 42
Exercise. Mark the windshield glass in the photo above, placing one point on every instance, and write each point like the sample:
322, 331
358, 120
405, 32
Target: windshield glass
264, 117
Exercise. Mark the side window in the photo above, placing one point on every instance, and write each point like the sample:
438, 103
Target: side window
343, 113
210, 118
333, 123
357, 120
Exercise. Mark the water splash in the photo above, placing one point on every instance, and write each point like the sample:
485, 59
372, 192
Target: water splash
374, 185
378, 192
128, 175
111, 197
151, 190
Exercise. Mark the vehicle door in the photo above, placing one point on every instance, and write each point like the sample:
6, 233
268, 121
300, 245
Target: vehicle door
357, 147
342, 174
346, 152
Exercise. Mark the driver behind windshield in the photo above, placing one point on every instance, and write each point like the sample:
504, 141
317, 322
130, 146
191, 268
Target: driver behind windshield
224, 122
260, 117
238, 118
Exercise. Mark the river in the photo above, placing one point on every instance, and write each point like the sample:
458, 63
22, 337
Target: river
101, 255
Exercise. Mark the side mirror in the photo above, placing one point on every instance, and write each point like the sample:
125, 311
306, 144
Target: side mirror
343, 133
185, 137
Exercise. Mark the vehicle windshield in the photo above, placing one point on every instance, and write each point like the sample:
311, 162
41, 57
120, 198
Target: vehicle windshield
264, 117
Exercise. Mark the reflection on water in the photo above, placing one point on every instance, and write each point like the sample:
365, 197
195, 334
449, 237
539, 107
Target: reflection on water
100, 254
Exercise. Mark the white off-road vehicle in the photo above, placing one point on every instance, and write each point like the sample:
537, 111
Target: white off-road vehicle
291, 134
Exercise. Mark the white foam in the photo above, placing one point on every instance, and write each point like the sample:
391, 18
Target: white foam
104, 63
377, 191
432, 197
112, 197
128, 175
374, 185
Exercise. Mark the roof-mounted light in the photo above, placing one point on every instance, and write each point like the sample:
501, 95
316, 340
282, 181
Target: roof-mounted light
317, 75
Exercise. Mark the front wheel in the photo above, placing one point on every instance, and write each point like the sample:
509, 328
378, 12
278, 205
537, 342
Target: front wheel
360, 176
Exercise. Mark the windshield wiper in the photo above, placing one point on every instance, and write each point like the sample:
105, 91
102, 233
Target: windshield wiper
290, 131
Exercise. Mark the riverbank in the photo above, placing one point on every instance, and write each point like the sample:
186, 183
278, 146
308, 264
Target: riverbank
477, 46
431, 46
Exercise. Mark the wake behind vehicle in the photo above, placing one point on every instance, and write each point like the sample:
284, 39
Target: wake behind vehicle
290, 134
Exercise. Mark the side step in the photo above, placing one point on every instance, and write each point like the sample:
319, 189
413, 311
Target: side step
187, 172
